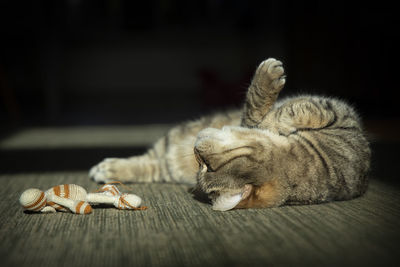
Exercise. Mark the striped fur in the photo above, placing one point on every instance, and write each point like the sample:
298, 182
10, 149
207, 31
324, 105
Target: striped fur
305, 149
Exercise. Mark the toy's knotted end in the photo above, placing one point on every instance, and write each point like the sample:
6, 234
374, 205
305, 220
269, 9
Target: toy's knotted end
111, 188
129, 202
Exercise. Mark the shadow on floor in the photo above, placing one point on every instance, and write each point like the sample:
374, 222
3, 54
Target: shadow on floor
60, 159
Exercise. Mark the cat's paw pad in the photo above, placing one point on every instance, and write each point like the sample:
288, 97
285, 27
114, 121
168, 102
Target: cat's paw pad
271, 72
110, 169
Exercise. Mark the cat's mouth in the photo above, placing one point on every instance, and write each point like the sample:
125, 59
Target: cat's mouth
228, 201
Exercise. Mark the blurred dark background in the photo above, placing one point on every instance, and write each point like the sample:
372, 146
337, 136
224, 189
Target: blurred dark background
120, 62
126, 62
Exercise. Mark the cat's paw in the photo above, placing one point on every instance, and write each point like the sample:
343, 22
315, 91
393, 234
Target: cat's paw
110, 169
270, 74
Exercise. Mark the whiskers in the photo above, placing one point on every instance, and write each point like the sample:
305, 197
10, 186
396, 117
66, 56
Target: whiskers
187, 147
187, 155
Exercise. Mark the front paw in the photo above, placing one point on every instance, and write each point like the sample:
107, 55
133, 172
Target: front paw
270, 74
110, 169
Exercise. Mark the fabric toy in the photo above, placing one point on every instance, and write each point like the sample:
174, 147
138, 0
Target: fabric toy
75, 198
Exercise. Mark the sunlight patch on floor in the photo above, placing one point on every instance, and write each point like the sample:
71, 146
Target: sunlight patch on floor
88, 136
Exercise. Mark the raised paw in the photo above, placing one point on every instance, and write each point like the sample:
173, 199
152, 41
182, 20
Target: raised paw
270, 75
110, 169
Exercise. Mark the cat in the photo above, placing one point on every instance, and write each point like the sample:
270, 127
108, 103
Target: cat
299, 150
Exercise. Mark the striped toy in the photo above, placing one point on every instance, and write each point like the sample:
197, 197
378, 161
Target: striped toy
74, 198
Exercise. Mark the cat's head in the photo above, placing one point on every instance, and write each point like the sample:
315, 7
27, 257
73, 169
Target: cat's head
231, 166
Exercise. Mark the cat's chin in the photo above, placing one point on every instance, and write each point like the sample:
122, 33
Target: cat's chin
228, 201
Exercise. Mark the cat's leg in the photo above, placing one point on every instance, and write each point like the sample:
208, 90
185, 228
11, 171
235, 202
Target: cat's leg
308, 112
150, 167
267, 82
170, 160
144, 168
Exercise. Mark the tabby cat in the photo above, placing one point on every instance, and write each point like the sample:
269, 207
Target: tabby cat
300, 150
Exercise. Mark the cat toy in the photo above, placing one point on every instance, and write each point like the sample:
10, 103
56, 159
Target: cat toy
74, 198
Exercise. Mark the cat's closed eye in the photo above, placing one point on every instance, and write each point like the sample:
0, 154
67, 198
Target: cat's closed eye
209, 169
202, 162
